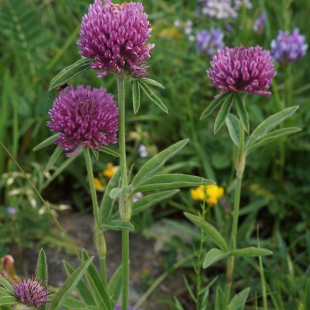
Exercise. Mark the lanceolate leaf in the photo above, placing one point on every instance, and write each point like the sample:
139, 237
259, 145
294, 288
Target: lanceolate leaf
148, 201
70, 71
152, 96
169, 181
46, 142
53, 158
109, 151
115, 287
98, 289
153, 83
8, 300
213, 256
243, 114
219, 299
268, 124
220, 119
155, 163
135, 96
118, 225
71, 303
6, 284
41, 272
69, 286
239, 300
251, 251
118, 192
107, 202
214, 104
81, 288
211, 231
233, 126
272, 136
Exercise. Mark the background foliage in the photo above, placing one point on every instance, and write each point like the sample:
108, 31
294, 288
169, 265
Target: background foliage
37, 40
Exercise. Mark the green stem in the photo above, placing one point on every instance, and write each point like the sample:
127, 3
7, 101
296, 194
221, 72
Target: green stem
125, 268
103, 270
199, 261
91, 182
240, 165
124, 203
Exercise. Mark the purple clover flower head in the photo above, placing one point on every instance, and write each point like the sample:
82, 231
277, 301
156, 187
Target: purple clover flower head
209, 42
260, 23
31, 293
115, 36
84, 118
288, 48
240, 69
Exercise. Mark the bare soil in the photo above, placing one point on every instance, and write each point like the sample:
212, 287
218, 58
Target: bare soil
146, 262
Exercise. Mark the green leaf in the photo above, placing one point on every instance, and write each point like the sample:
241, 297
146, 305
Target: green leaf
220, 119
219, 299
81, 288
41, 272
115, 286
46, 142
152, 82
70, 72
271, 137
211, 231
152, 96
169, 181
239, 300
243, 114
4, 292
148, 201
110, 152
233, 126
95, 153
189, 289
73, 304
155, 163
214, 104
8, 300
118, 225
6, 284
250, 251
135, 96
268, 124
213, 256
69, 286
178, 305
107, 202
121, 191
96, 286
58, 150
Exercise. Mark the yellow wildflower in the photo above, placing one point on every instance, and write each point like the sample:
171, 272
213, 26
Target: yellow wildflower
110, 171
170, 33
98, 185
211, 193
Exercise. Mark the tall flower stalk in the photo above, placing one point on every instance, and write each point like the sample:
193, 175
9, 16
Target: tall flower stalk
238, 72
125, 202
240, 166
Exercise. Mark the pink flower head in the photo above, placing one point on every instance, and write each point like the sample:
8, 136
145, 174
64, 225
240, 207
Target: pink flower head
242, 69
84, 117
31, 292
115, 36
